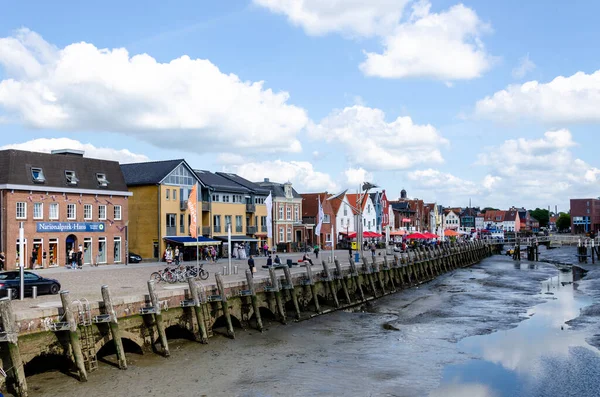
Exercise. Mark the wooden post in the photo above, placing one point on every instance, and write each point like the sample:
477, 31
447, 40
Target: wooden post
377, 270
330, 284
225, 305
17, 372
160, 325
277, 292
355, 276
114, 326
289, 280
198, 309
390, 273
254, 299
368, 274
313, 290
342, 280
73, 335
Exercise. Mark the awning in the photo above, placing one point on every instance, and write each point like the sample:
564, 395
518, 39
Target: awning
238, 239
398, 233
188, 241
405, 220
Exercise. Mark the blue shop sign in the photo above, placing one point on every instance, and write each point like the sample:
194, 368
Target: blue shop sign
70, 227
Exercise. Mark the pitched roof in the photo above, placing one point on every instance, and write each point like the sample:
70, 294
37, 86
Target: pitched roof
220, 183
148, 173
245, 183
310, 203
494, 216
511, 215
277, 189
336, 202
16, 168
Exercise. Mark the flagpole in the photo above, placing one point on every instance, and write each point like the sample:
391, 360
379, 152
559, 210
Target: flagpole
332, 240
229, 247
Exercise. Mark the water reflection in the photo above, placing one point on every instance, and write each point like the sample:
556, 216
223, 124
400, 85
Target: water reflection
509, 363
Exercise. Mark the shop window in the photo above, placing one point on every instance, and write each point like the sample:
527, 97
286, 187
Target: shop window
101, 256
117, 250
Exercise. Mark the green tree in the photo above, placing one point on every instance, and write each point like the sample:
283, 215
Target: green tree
563, 222
542, 216
483, 211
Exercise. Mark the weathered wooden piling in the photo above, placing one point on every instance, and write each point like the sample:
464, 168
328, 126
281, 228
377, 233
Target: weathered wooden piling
158, 320
356, 278
73, 336
389, 273
225, 305
379, 275
368, 272
198, 312
292, 290
276, 290
254, 299
17, 372
114, 326
311, 284
330, 284
342, 280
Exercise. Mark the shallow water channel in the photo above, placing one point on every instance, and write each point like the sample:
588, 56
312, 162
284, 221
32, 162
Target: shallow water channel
496, 329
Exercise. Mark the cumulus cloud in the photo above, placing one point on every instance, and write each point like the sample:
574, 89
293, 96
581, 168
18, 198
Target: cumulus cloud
301, 173
563, 100
526, 65
443, 183
185, 102
443, 46
356, 176
348, 17
372, 142
46, 145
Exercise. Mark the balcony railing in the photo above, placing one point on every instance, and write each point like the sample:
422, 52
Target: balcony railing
217, 228
206, 206
183, 205
239, 229
250, 208
171, 231
251, 230
206, 230
263, 228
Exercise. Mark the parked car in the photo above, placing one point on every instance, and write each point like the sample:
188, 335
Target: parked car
12, 280
134, 258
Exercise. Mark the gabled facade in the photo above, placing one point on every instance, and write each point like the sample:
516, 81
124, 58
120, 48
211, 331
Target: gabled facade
494, 219
158, 207
344, 214
385, 212
451, 219
376, 200
310, 218
511, 222
369, 216
467, 218
479, 221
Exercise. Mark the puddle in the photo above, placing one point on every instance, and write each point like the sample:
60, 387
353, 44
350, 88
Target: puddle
541, 356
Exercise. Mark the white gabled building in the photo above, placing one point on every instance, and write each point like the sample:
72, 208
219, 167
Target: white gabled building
451, 220
344, 219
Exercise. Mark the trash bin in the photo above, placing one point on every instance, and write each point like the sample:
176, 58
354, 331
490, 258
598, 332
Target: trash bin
289, 262
353, 246
356, 257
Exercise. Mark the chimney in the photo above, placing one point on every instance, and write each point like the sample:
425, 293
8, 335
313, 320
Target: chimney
266, 179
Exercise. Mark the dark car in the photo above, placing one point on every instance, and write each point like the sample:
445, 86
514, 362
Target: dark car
12, 280
134, 258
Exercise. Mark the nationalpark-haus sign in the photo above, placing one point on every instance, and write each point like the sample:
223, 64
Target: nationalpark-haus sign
70, 227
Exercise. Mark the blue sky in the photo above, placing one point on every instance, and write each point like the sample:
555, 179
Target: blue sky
404, 93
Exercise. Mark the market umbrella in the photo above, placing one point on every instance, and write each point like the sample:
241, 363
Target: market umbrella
398, 233
416, 236
450, 233
430, 235
371, 234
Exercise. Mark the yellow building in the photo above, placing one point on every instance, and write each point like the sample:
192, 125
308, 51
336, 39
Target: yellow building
158, 214
230, 200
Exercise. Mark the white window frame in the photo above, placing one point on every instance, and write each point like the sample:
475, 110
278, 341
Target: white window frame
280, 212
289, 235
101, 178
74, 215
105, 259
296, 213
41, 178
281, 235
57, 211
117, 208
88, 211
175, 194
115, 240
41, 212
71, 177
21, 206
288, 213
100, 207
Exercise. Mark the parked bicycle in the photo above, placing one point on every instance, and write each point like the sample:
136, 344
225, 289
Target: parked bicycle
179, 274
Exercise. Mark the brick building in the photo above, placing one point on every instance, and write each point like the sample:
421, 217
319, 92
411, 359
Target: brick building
65, 201
585, 216
310, 218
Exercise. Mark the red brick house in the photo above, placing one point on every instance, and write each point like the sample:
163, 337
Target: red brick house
310, 213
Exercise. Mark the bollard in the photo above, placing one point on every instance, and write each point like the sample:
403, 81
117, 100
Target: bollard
160, 326
114, 326
73, 335
17, 372
288, 278
34, 292
250, 281
225, 305
198, 310
235, 269
9, 293
224, 270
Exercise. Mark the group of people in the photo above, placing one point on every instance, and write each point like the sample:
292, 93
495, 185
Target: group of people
173, 255
75, 258
209, 253
270, 263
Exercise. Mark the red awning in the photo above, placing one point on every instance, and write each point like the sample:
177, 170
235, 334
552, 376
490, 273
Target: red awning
405, 220
416, 236
365, 234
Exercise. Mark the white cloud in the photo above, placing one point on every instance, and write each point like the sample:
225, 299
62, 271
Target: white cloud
443, 183
443, 46
373, 143
229, 159
348, 17
356, 176
301, 173
46, 145
526, 65
562, 100
188, 103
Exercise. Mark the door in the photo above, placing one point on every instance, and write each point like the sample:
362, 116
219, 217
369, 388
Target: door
70, 244
87, 251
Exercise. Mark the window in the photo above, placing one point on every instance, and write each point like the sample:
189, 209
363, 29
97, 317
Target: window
296, 213
369, 209
71, 178
217, 223
117, 249
239, 224
181, 223
175, 194
171, 222
102, 212
168, 194
227, 221
102, 181
21, 210
87, 212
369, 224
289, 234
328, 237
225, 198
38, 210
215, 197
288, 212
71, 214
53, 211
326, 218
281, 235
117, 213
280, 211
364, 222
38, 175
181, 176
101, 257
345, 210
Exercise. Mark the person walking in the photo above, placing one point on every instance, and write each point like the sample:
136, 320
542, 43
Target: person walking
34, 255
251, 265
373, 250
2, 261
266, 249
79, 258
169, 256
176, 257
316, 251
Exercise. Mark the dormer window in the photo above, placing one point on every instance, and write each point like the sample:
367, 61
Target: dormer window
102, 181
71, 178
38, 175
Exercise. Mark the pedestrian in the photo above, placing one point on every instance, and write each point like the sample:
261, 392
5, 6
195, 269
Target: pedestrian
251, 265
373, 250
277, 260
213, 254
34, 255
70, 264
181, 255
306, 259
2, 261
316, 251
266, 249
176, 257
350, 251
269, 261
169, 256
80, 258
